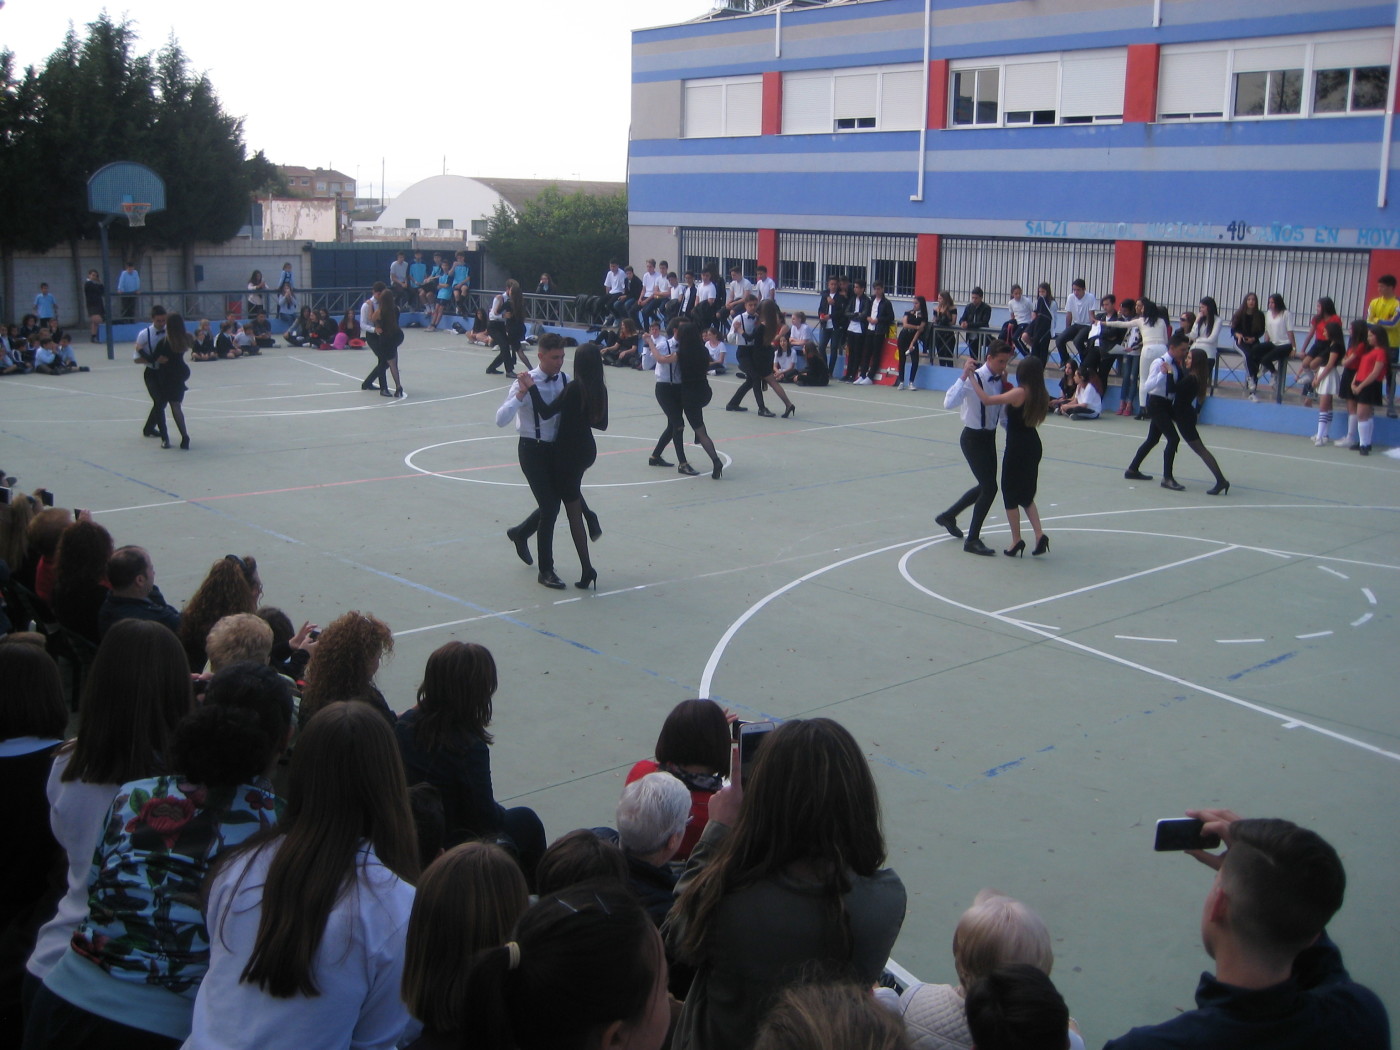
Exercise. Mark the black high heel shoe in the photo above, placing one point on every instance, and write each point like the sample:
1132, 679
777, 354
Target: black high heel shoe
1042, 546
590, 579
595, 529
718, 470
1222, 488
789, 411
1017, 549
185, 443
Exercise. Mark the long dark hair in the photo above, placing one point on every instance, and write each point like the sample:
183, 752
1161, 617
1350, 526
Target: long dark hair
691, 354
176, 335
135, 694
517, 301
590, 952
1206, 321
1198, 364
695, 733
454, 699
346, 785
231, 586
588, 373
83, 552
1151, 312
811, 798
33, 694
1030, 377
1326, 308
1336, 339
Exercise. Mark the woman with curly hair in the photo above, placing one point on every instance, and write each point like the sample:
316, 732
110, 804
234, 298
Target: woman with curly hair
80, 577
139, 954
344, 663
231, 586
444, 742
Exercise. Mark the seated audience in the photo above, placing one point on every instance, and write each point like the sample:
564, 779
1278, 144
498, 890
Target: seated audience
245, 340
301, 331
468, 900
134, 594
202, 343
231, 586
240, 638
994, 932
33, 717
579, 856
80, 577
785, 882
651, 818
291, 648
693, 746
1088, 398
838, 1016
1279, 981
584, 969
309, 917
45, 529
814, 371
344, 663
140, 953
226, 342
717, 350
429, 822
445, 742
1016, 1007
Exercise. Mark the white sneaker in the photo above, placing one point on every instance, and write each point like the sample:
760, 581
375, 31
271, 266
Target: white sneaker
1252, 398
901, 386
863, 381
1348, 443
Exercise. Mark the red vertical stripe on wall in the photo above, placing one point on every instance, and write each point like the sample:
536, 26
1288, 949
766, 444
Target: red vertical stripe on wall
1140, 91
1129, 268
937, 95
772, 103
928, 248
768, 251
1383, 260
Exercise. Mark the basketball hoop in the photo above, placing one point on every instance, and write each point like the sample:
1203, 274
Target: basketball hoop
136, 212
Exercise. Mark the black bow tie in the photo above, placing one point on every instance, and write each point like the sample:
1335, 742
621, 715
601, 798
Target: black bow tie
550, 379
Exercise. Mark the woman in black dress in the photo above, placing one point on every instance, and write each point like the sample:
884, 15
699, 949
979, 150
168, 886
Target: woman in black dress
1027, 404
915, 320
694, 361
582, 408
172, 373
1185, 413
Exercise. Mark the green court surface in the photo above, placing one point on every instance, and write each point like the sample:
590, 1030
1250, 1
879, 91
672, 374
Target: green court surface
1027, 719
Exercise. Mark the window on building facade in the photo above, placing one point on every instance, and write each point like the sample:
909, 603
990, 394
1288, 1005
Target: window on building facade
306, 182
412, 224
723, 107
445, 224
878, 98
793, 273
975, 94
1072, 87
320, 187
479, 227
1288, 77
807, 259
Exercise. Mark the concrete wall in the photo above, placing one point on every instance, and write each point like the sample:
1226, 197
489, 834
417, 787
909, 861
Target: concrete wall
299, 220
651, 242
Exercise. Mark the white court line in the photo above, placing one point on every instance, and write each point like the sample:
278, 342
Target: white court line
1134, 665
1315, 634
1137, 638
457, 623
1370, 595
1358, 623
324, 368
1044, 626
1334, 572
1120, 579
1238, 641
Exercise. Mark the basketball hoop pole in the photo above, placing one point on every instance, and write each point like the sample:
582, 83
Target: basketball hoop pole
107, 287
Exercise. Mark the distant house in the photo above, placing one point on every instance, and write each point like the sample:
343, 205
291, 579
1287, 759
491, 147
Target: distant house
317, 183
456, 209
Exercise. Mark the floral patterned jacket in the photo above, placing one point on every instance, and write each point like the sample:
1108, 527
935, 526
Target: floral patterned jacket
144, 922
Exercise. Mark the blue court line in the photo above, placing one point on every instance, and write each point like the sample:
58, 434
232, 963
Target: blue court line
1259, 667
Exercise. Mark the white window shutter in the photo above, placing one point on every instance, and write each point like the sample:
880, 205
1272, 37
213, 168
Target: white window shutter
1092, 85
743, 108
901, 101
807, 104
1352, 54
1030, 85
855, 96
1192, 82
1263, 59
704, 115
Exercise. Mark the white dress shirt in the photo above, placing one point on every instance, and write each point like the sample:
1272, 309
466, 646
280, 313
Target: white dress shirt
767, 288
666, 371
523, 411
1080, 308
1155, 385
1020, 310
975, 415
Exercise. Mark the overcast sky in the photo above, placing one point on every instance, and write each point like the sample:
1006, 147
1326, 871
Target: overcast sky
418, 85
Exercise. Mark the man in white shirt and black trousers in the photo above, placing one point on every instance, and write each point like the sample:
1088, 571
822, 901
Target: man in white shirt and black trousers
536, 451
978, 442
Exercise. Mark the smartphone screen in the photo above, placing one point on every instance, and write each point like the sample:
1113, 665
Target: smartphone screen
47, 497
4, 496
1180, 833
751, 736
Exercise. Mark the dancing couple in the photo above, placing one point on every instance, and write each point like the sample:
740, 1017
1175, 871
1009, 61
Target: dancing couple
555, 418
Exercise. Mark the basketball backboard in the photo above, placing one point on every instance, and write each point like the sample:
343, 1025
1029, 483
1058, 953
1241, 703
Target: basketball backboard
124, 182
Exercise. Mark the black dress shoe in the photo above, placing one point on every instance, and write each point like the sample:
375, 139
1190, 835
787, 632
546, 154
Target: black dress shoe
553, 582
522, 545
1136, 475
950, 523
768, 413
976, 546
657, 461
1173, 484
736, 408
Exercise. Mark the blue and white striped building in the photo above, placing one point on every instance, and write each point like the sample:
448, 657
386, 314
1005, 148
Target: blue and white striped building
1168, 147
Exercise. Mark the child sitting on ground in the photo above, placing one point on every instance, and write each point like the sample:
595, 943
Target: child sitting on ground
247, 341
717, 352
202, 343
226, 342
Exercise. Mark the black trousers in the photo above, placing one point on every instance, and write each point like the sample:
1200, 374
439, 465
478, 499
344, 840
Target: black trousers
668, 396
1162, 425
751, 360
1078, 334
537, 464
830, 342
979, 448
385, 348
157, 413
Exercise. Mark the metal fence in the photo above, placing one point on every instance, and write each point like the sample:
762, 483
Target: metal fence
808, 258
1179, 274
716, 250
995, 264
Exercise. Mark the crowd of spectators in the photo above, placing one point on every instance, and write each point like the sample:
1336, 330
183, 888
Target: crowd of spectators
242, 845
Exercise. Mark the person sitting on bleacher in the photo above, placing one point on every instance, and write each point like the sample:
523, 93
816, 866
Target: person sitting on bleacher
651, 820
134, 594
1016, 1007
1279, 981
976, 316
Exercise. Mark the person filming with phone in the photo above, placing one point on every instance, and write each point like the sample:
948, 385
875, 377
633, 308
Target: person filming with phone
1279, 981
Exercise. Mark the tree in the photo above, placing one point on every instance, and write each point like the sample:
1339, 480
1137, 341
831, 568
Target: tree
21, 176
571, 237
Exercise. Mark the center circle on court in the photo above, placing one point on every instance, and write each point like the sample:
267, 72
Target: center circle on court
503, 468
